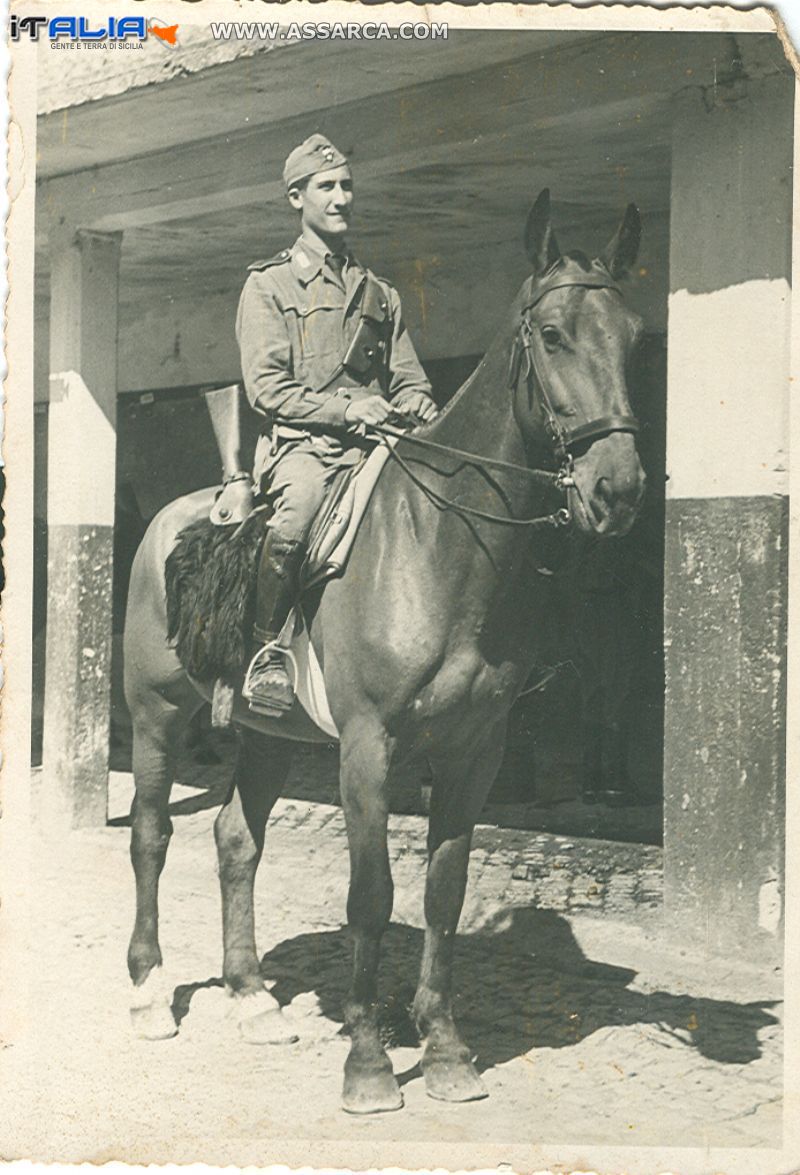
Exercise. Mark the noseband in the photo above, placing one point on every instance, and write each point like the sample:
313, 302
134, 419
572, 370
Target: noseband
523, 351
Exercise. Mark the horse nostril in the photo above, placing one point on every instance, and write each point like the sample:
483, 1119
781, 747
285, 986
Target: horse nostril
604, 492
624, 491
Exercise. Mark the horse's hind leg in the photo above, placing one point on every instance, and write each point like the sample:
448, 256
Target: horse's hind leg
262, 765
458, 795
156, 729
369, 1083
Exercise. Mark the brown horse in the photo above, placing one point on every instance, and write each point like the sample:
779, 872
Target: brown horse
426, 640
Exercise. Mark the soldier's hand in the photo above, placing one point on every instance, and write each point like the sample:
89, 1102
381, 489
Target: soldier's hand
416, 404
372, 410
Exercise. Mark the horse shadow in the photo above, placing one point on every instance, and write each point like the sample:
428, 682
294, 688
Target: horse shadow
525, 986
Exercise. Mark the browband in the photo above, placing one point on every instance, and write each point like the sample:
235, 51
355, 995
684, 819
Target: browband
590, 281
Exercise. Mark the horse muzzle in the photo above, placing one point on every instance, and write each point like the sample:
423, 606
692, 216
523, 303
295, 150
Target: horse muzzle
608, 488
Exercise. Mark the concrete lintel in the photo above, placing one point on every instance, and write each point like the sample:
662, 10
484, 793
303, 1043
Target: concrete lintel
522, 92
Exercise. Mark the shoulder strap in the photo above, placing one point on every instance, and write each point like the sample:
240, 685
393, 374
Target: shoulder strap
278, 259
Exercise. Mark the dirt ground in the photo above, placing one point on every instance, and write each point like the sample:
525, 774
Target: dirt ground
587, 1025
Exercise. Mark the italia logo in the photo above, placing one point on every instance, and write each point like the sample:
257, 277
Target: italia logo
81, 28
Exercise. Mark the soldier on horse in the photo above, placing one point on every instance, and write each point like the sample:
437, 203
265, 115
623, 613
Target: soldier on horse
325, 353
466, 530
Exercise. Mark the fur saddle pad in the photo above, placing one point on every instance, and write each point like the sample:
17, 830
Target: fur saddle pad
210, 578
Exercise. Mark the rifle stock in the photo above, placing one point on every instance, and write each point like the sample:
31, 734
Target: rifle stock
223, 408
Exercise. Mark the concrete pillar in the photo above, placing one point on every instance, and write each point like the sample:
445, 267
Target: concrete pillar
727, 514
80, 504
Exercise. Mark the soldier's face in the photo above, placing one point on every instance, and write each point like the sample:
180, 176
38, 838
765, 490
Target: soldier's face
326, 202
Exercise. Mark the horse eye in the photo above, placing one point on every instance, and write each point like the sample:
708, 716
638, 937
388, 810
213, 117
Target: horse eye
552, 339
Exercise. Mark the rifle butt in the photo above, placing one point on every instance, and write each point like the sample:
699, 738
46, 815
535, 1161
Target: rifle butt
224, 408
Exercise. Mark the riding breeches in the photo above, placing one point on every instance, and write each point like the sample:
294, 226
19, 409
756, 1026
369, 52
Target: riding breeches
298, 481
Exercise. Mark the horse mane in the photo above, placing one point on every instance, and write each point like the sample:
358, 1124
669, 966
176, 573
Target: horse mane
502, 338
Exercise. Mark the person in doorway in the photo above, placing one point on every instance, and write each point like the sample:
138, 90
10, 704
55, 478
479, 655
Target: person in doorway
325, 354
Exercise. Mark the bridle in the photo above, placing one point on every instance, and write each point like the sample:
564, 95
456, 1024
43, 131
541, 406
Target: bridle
562, 439
523, 362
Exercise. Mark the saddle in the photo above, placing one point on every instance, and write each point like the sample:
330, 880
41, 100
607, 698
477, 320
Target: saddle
340, 515
337, 520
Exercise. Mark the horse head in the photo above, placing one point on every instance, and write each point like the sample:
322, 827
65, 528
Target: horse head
576, 337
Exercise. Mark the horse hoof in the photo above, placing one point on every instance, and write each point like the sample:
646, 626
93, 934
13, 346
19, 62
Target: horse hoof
373, 1091
151, 1007
154, 1022
453, 1081
261, 1020
267, 1028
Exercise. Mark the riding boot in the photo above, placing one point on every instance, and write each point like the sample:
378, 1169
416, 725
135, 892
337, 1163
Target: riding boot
268, 687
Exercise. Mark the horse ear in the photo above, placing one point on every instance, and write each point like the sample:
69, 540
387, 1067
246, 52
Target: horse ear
621, 251
540, 240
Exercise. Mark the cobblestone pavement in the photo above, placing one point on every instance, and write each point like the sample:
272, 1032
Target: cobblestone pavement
586, 1024
557, 808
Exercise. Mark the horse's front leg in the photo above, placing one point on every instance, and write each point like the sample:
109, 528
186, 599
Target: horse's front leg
369, 1082
459, 792
262, 765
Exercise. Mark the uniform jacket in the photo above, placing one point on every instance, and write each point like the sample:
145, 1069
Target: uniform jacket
294, 324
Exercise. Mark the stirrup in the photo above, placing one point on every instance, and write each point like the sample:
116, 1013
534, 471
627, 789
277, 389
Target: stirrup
260, 699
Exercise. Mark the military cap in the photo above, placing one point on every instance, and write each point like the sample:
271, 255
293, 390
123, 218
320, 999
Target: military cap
315, 154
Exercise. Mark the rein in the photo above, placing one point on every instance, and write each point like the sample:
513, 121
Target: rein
546, 476
561, 438
557, 518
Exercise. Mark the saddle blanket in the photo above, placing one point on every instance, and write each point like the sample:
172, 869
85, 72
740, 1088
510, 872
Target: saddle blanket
306, 673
